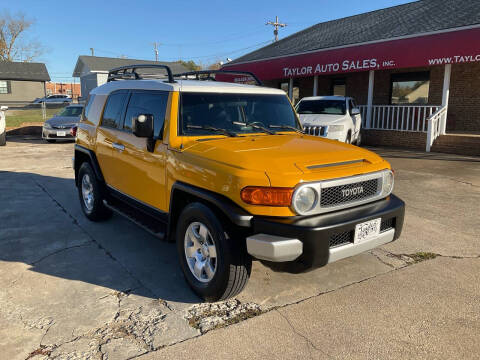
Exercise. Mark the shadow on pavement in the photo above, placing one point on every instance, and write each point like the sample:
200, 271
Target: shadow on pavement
41, 224
411, 154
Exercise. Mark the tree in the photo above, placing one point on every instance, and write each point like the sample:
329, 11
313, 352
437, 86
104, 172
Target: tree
190, 65
14, 46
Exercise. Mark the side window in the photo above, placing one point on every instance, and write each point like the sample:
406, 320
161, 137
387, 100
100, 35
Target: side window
86, 109
112, 115
154, 103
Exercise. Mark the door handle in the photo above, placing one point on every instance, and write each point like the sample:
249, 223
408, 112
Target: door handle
118, 147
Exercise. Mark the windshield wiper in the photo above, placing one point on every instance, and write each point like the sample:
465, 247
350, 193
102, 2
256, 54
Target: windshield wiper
211, 128
255, 125
286, 127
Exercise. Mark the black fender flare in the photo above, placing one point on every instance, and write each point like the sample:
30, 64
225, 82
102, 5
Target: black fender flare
93, 162
232, 211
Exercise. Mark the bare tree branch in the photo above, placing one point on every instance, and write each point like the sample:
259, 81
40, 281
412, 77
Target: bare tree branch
13, 44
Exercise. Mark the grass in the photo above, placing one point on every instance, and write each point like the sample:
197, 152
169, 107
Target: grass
15, 118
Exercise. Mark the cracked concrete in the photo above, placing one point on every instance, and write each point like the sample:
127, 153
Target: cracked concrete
75, 289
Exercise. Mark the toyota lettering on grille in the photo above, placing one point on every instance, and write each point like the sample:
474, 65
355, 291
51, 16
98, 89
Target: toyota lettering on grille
353, 191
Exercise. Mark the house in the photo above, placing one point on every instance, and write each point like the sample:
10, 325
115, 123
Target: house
414, 68
22, 82
93, 70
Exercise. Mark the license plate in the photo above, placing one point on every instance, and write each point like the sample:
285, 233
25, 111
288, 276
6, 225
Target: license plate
61, 133
367, 230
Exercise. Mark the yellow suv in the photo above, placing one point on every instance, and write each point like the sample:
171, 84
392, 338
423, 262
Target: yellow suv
225, 171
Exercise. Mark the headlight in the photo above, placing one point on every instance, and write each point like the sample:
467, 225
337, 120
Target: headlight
304, 200
335, 128
46, 125
388, 181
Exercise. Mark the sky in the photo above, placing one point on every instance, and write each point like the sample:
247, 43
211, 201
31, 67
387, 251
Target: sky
203, 31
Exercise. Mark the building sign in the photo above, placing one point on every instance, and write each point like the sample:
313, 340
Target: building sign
453, 47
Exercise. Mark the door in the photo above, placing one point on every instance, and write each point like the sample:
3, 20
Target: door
142, 174
107, 133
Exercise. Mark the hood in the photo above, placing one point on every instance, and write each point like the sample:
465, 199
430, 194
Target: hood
63, 120
300, 157
321, 119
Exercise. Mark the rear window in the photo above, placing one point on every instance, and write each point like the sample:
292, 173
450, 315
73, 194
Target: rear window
328, 107
224, 110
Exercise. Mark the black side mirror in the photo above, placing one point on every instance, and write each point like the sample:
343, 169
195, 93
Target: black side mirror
143, 126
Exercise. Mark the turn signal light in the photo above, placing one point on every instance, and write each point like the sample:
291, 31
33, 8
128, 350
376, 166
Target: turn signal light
269, 196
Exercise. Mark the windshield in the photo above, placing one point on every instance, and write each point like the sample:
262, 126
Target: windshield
71, 111
236, 113
328, 107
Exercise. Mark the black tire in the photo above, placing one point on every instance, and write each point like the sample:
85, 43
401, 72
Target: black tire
51, 141
348, 139
233, 263
3, 139
97, 210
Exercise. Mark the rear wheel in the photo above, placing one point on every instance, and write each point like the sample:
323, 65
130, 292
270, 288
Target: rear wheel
3, 139
215, 264
90, 194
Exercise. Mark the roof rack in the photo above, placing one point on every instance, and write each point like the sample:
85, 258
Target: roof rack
123, 73
210, 72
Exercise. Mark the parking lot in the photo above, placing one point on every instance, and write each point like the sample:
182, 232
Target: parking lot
73, 289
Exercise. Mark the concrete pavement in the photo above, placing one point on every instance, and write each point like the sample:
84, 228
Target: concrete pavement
71, 288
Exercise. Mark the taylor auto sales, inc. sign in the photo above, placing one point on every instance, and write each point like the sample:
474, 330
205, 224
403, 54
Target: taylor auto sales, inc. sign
454, 47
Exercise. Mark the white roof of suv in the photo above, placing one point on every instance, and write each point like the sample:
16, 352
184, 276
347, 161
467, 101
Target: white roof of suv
335, 97
184, 86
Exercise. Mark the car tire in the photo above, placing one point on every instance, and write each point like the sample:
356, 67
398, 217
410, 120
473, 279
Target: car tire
51, 141
3, 139
218, 276
348, 139
90, 194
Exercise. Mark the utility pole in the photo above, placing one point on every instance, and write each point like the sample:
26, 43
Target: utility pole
276, 25
91, 49
155, 48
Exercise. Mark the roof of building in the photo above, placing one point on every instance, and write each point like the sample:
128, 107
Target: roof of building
185, 86
104, 64
23, 71
419, 17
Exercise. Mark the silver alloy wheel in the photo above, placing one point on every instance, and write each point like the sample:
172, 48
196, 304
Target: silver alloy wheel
87, 192
200, 252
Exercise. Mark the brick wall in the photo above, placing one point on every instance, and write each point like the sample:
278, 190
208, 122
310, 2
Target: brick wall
403, 139
464, 104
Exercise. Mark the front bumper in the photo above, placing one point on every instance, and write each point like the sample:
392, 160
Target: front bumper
56, 134
314, 241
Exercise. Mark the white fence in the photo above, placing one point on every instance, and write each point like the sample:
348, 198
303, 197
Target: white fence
399, 117
436, 124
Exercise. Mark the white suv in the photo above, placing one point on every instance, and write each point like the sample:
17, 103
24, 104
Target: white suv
333, 117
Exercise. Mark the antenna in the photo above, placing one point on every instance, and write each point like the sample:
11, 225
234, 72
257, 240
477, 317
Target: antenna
155, 49
276, 25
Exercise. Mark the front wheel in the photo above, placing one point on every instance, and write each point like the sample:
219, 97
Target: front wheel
215, 264
348, 139
3, 139
359, 139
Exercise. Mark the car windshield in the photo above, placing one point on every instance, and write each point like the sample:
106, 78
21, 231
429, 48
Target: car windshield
328, 107
236, 113
71, 111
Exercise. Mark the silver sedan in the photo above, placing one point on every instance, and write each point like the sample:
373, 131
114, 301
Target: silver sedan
59, 126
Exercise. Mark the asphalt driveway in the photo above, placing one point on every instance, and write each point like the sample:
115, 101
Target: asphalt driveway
70, 288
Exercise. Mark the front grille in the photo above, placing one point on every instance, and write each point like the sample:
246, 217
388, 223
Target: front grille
387, 224
341, 238
344, 194
314, 130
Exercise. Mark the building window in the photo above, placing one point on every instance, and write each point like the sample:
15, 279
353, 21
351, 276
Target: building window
69, 92
4, 87
410, 88
339, 87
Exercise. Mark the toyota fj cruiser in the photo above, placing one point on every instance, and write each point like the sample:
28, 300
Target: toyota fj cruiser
225, 171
